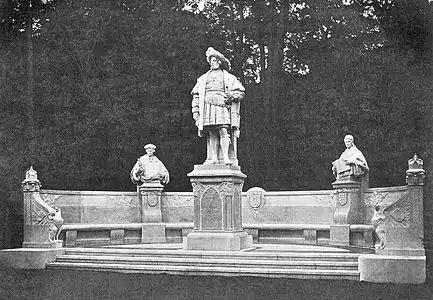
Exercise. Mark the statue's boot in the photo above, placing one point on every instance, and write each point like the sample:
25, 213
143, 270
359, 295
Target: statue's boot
225, 143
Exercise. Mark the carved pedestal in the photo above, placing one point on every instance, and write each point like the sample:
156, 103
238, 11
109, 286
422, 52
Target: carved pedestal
349, 210
217, 209
39, 229
150, 199
150, 194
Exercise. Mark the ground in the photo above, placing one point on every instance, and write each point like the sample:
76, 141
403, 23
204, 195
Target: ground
66, 284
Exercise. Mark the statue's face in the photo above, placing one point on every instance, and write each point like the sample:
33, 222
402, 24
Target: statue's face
215, 63
348, 142
150, 151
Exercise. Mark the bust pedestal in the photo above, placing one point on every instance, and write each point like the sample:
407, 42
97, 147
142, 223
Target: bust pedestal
349, 210
150, 199
217, 209
150, 194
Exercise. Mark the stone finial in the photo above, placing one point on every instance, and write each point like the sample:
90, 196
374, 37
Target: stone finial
415, 163
31, 183
415, 174
31, 174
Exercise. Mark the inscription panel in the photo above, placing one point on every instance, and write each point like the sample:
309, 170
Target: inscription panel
211, 210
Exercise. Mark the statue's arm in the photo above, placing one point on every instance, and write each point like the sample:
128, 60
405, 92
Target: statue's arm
195, 102
163, 173
135, 172
358, 159
236, 92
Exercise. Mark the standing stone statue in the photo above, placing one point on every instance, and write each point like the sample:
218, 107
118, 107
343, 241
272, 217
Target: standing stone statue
149, 168
215, 109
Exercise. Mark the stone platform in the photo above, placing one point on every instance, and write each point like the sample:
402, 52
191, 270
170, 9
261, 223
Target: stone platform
262, 260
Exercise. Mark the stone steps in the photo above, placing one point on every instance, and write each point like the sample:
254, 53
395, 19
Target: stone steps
213, 262
175, 261
210, 271
323, 256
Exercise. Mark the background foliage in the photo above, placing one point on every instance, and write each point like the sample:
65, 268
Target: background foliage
97, 80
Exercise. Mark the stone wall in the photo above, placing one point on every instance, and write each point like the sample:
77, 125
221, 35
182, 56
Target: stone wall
88, 207
97, 217
287, 207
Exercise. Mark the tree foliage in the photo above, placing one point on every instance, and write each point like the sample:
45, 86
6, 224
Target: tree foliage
108, 77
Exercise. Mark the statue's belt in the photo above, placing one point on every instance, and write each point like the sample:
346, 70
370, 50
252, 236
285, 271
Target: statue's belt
216, 98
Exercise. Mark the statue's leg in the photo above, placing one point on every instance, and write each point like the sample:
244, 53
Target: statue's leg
208, 150
233, 155
225, 143
212, 149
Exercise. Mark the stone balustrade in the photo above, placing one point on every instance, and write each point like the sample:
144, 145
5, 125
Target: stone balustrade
307, 217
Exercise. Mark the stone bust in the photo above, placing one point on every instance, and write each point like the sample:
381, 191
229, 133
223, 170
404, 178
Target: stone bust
149, 168
352, 163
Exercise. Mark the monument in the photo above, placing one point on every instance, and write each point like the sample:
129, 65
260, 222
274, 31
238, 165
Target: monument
351, 172
149, 174
217, 183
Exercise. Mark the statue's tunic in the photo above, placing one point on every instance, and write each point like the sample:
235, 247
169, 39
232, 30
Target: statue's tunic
351, 160
210, 94
148, 168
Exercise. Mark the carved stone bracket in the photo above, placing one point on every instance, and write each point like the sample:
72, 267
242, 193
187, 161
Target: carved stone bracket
198, 189
349, 208
375, 198
225, 188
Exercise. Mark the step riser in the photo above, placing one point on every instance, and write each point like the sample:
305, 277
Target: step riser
213, 264
212, 273
213, 256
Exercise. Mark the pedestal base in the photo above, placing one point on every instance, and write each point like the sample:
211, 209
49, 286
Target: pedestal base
28, 258
392, 269
54, 245
36, 236
218, 241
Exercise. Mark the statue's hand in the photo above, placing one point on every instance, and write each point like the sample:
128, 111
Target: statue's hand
136, 175
228, 99
195, 116
351, 161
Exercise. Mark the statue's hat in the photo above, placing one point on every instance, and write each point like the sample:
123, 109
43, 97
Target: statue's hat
150, 146
348, 137
211, 52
